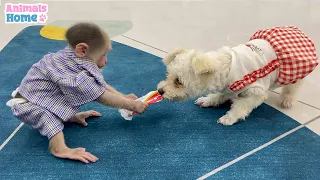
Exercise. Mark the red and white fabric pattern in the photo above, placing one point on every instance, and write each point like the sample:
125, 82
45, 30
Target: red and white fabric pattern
296, 56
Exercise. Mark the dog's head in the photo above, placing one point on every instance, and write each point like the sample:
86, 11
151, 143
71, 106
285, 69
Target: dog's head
190, 74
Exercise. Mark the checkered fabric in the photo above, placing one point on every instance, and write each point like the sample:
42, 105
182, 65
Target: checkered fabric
47, 123
296, 56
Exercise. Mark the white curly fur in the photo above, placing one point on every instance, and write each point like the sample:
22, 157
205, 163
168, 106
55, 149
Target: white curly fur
193, 74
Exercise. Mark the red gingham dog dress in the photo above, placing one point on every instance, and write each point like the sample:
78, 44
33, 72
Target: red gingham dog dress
296, 57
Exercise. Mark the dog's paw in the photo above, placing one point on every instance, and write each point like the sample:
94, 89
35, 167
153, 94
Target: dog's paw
226, 120
204, 102
286, 102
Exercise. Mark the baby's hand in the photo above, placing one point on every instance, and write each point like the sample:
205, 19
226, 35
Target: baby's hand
131, 96
79, 154
140, 107
81, 117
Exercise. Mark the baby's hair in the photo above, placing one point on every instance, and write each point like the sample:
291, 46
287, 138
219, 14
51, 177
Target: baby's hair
88, 33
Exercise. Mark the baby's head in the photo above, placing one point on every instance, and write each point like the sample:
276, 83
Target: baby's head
90, 41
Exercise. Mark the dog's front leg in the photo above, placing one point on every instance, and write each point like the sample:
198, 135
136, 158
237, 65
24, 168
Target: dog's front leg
243, 105
213, 100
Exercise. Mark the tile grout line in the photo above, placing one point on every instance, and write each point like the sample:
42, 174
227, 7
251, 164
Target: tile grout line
300, 101
167, 53
11, 136
256, 149
144, 44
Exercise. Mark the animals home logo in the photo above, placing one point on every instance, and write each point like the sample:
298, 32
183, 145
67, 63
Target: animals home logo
25, 13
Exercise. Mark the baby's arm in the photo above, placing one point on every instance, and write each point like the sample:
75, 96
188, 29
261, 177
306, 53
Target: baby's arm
89, 89
118, 101
111, 89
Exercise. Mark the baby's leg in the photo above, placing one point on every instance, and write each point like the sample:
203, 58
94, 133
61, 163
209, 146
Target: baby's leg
59, 149
212, 100
289, 94
243, 106
39, 118
51, 126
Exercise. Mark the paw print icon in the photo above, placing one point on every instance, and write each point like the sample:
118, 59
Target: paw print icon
42, 18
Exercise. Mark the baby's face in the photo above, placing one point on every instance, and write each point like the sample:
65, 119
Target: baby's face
102, 62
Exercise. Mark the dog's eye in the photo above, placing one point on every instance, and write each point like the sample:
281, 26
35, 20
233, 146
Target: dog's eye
177, 82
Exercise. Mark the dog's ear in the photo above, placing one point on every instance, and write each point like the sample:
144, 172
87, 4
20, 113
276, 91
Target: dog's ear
167, 60
225, 52
203, 65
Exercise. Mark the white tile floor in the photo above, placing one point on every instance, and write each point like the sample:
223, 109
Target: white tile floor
198, 24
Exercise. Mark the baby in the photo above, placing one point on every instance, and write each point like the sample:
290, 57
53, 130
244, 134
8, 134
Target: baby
57, 86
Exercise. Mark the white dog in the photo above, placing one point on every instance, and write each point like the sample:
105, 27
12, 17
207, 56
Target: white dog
274, 57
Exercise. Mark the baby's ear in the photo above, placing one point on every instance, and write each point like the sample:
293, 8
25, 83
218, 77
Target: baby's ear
167, 60
203, 65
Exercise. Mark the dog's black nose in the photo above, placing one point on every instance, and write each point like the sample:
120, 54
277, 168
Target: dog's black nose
161, 91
